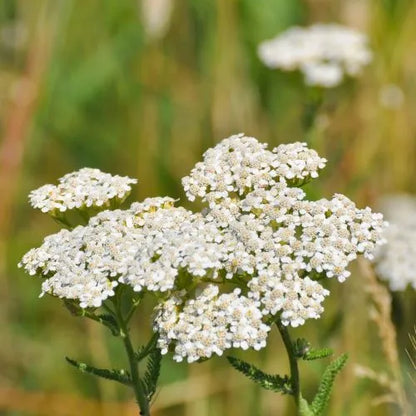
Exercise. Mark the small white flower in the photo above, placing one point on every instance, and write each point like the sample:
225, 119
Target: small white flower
84, 188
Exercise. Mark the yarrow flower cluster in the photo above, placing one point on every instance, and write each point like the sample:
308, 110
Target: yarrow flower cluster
395, 262
84, 188
324, 53
145, 247
210, 323
258, 234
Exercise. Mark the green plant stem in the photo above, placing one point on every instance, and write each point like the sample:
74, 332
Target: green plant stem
141, 398
293, 362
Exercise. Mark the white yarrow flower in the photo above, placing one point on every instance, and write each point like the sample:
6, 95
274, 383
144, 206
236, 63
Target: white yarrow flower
259, 234
209, 324
81, 189
395, 262
324, 53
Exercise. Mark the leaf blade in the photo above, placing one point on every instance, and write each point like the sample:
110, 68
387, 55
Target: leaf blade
271, 382
121, 376
321, 398
152, 373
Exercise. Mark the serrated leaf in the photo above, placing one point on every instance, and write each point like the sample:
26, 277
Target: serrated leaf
325, 388
145, 350
122, 376
110, 322
151, 376
274, 383
107, 320
317, 354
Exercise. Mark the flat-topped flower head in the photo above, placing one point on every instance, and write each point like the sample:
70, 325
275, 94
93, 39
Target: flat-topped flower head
144, 247
324, 53
282, 241
240, 164
84, 188
395, 262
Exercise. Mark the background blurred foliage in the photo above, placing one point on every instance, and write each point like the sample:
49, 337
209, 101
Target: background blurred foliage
90, 83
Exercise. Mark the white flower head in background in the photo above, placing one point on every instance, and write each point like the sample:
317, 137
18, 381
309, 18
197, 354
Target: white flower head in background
391, 96
395, 262
156, 15
84, 188
324, 53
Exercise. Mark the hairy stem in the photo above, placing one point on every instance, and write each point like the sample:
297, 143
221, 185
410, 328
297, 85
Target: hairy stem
293, 362
139, 392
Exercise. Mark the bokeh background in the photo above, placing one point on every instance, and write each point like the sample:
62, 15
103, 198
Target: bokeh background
142, 88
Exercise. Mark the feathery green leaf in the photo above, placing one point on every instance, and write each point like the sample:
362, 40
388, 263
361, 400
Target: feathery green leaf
110, 322
151, 376
267, 381
325, 388
145, 350
107, 320
122, 376
317, 354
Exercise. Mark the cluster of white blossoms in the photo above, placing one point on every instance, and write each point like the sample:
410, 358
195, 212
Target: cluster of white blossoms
259, 234
209, 324
282, 241
395, 262
145, 246
86, 187
324, 53
239, 164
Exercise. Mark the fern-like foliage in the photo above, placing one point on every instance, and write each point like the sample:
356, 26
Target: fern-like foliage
110, 322
317, 354
151, 376
107, 320
274, 383
145, 350
325, 388
121, 376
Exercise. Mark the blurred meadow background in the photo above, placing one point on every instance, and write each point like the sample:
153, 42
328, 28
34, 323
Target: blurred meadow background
142, 88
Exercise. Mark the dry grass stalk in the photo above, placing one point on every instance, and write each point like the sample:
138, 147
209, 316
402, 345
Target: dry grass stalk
412, 358
380, 314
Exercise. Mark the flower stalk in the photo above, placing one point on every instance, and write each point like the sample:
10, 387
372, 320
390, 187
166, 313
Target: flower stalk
137, 385
293, 361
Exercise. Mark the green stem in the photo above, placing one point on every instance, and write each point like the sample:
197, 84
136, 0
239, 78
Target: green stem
293, 362
139, 392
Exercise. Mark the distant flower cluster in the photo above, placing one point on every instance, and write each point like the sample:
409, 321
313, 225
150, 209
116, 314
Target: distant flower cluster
259, 234
396, 260
324, 53
84, 188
